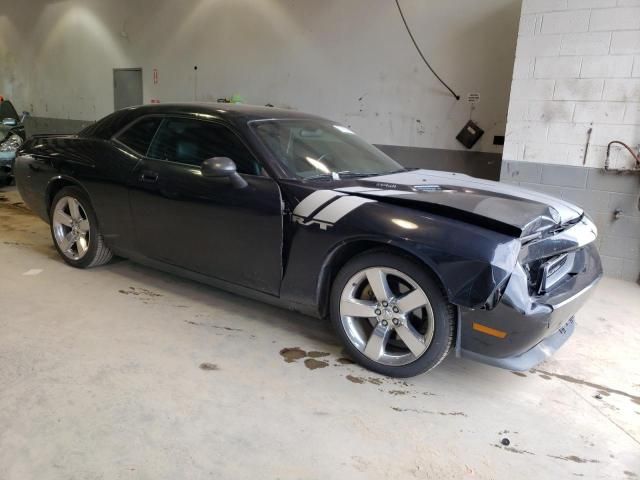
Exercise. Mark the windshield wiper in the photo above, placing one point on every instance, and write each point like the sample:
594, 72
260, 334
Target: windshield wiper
400, 170
350, 174
320, 176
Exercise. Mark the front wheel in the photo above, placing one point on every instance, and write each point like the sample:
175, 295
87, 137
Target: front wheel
74, 229
391, 314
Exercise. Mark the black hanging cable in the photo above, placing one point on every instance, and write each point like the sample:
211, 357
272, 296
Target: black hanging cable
421, 54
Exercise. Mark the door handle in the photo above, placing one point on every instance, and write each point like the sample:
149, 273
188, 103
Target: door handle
149, 177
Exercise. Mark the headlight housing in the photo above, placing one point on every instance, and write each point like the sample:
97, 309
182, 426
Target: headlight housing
11, 144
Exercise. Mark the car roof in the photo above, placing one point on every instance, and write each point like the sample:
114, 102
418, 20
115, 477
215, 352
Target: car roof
238, 115
232, 112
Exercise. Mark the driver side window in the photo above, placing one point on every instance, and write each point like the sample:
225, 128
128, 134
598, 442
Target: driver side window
189, 141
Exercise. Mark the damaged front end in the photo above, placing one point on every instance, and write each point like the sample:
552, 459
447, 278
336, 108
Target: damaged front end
534, 314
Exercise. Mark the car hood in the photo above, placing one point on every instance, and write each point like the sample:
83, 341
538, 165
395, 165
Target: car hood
495, 205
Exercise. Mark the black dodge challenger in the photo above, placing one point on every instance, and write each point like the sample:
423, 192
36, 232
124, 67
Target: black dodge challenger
298, 211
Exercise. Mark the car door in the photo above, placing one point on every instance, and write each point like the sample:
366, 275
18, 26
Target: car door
205, 224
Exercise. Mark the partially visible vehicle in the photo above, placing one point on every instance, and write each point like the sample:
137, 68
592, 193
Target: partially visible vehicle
12, 135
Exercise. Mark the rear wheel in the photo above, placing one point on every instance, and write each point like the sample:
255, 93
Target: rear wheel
392, 314
74, 229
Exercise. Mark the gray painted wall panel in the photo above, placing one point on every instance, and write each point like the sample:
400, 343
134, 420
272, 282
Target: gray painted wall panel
43, 125
600, 194
564, 176
476, 164
521, 172
590, 200
612, 182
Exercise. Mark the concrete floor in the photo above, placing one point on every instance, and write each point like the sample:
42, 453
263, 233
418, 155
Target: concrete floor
124, 372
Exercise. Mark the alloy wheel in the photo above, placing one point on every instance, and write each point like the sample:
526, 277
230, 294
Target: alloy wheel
387, 316
71, 228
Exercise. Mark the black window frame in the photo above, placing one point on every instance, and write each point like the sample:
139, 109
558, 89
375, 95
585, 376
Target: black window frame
130, 125
165, 117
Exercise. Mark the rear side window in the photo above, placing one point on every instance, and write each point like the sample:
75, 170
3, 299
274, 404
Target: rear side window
190, 141
108, 126
139, 135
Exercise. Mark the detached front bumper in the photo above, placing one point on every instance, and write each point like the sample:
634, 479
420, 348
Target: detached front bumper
525, 328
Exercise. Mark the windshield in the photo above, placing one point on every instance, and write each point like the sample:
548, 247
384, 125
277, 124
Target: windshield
317, 148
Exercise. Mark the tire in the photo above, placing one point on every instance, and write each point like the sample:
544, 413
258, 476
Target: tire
426, 320
89, 249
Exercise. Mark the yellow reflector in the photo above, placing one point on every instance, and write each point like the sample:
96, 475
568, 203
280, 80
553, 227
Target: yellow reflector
488, 330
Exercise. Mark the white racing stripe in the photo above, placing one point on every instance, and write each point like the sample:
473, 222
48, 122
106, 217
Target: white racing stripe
388, 193
341, 207
357, 189
314, 201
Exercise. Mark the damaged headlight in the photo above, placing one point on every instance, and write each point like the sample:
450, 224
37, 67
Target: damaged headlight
11, 144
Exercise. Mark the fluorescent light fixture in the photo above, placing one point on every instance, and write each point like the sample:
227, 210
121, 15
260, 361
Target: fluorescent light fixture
319, 165
343, 129
404, 223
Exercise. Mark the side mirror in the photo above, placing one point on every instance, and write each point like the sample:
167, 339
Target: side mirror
223, 167
9, 122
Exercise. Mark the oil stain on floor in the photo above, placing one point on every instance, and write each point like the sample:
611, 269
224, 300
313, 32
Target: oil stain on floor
312, 363
602, 389
574, 458
139, 292
290, 355
208, 366
314, 360
430, 412
513, 450
217, 327
293, 354
373, 380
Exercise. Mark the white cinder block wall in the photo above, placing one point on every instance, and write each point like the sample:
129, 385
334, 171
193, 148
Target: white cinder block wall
577, 68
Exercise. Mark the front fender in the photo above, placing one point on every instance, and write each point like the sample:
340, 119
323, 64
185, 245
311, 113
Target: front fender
471, 262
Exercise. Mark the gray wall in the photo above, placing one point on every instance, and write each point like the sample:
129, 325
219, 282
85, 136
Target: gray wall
601, 195
43, 125
476, 164
351, 61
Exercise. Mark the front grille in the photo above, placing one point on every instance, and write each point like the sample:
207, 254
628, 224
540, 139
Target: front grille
555, 270
546, 273
556, 264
